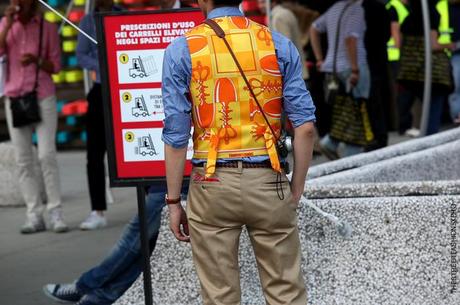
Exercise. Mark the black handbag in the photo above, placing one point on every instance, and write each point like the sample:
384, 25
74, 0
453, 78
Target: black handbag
25, 110
350, 120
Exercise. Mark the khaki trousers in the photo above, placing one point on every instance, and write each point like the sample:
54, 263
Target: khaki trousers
46, 140
217, 212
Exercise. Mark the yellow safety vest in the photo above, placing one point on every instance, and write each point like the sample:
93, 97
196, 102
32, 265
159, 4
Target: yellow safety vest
227, 122
403, 12
444, 29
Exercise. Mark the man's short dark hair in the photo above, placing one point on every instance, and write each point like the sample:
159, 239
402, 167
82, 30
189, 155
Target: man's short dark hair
227, 2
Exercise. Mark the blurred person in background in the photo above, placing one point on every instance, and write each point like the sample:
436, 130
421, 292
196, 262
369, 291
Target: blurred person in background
19, 41
377, 34
351, 59
285, 22
411, 74
305, 17
454, 99
96, 146
398, 12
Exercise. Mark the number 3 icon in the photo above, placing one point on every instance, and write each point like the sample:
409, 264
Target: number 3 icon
129, 136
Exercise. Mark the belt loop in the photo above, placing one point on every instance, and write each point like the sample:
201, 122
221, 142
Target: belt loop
240, 166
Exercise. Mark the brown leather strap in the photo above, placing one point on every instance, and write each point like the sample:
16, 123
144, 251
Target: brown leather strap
172, 201
221, 34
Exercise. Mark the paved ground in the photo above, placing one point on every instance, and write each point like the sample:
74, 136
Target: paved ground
29, 262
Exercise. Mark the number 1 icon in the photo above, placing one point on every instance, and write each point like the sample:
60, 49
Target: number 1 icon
124, 58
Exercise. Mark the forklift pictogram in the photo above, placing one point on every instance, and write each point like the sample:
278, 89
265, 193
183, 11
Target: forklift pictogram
143, 67
145, 146
140, 108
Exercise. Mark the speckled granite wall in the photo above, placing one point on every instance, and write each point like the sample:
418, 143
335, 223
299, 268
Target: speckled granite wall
436, 163
398, 254
389, 152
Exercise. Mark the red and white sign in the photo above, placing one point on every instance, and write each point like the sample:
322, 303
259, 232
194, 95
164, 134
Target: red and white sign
133, 46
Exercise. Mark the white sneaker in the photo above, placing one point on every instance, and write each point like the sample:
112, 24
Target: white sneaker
33, 224
93, 222
413, 132
57, 223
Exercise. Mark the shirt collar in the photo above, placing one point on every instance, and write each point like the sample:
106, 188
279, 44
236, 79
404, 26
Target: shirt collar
224, 11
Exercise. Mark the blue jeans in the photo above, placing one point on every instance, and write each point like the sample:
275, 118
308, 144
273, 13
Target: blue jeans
105, 283
454, 98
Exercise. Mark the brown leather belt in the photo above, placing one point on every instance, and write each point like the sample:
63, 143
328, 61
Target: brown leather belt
234, 164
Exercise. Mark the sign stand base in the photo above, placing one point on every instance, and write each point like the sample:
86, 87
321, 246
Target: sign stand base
145, 249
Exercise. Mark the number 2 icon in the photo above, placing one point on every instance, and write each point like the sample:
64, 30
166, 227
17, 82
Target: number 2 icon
126, 96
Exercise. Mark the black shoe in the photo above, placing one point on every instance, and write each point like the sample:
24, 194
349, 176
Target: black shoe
64, 293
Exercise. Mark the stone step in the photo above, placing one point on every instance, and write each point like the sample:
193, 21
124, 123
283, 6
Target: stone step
399, 253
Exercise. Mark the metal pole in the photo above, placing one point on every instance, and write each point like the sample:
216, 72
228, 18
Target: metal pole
428, 69
67, 20
143, 229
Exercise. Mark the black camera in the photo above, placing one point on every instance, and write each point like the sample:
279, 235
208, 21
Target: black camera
283, 148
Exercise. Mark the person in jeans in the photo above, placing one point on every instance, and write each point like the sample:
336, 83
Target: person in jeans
351, 64
411, 80
96, 146
378, 32
105, 283
19, 40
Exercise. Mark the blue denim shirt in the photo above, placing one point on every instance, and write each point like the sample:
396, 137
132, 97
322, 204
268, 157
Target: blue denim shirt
86, 49
177, 67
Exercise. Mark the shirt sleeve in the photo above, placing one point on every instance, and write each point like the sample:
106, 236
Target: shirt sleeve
175, 90
320, 23
85, 56
297, 103
353, 22
54, 47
